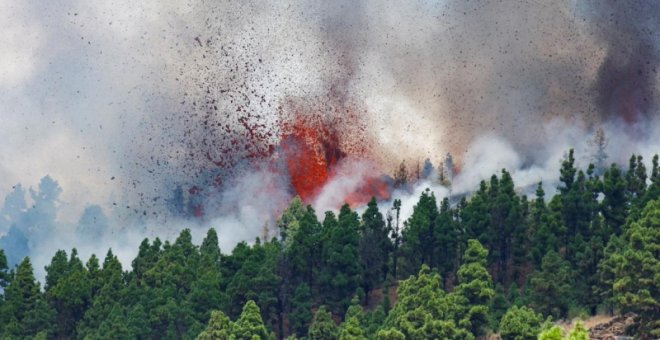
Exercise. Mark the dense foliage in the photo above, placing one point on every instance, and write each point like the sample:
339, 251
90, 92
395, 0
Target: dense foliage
497, 262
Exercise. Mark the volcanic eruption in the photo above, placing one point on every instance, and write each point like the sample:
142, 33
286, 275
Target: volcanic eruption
224, 111
313, 147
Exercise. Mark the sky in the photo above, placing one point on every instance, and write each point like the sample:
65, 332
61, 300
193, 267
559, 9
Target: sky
112, 98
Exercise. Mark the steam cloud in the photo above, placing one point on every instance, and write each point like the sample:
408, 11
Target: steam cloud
123, 102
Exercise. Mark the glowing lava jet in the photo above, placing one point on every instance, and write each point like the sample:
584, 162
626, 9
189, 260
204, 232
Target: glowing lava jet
315, 149
312, 147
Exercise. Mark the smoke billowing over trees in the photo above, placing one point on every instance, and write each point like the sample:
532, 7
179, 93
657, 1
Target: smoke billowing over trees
497, 260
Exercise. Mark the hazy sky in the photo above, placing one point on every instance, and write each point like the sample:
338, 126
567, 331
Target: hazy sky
98, 94
121, 101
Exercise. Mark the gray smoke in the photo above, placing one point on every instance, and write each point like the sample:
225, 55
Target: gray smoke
628, 76
123, 102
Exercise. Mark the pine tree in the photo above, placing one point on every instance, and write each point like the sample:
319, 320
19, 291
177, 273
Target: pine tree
115, 324
210, 250
396, 235
578, 207
544, 237
521, 243
373, 321
5, 276
138, 324
599, 143
447, 239
586, 258
636, 267
505, 217
94, 271
323, 327
551, 286
425, 311
341, 272
352, 330
289, 223
218, 328
567, 173
475, 287
110, 294
58, 268
25, 310
250, 325
578, 332
614, 205
500, 303
301, 315
653, 190
70, 296
552, 333
475, 216
390, 334
606, 272
636, 180
419, 244
304, 251
374, 247
206, 292
257, 280
520, 324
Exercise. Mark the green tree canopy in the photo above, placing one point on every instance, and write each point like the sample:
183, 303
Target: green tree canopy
636, 269
250, 325
323, 327
374, 247
475, 288
218, 328
520, 324
551, 286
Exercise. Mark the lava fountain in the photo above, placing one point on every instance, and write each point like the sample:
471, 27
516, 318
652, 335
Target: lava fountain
314, 145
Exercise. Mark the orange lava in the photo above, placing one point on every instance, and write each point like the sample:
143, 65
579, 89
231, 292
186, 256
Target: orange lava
313, 147
311, 150
374, 187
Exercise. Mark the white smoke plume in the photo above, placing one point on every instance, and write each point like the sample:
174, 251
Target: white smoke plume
122, 102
